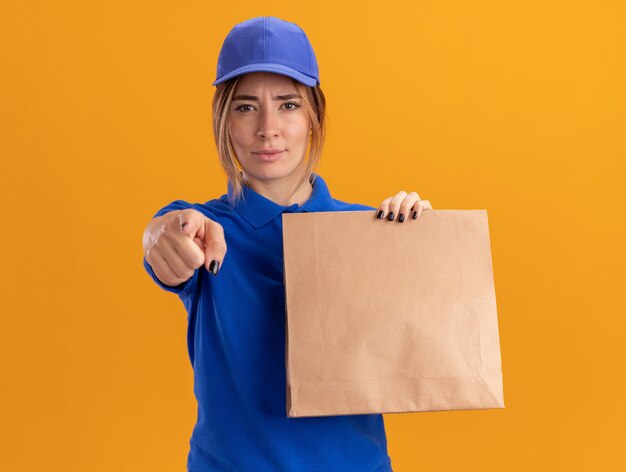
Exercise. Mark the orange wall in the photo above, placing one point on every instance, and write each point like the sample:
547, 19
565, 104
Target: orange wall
516, 107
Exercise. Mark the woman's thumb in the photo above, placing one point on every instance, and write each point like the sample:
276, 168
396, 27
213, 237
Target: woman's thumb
192, 223
208, 235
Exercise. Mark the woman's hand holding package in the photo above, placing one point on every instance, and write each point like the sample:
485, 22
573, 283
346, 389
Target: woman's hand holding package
402, 204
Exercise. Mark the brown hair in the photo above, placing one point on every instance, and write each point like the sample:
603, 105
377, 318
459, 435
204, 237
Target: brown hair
314, 103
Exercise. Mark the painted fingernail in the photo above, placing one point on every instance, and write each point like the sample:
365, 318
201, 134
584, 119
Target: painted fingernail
390, 217
401, 218
380, 214
214, 267
414, 214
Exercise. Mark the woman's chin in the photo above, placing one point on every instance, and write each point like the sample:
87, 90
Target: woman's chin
274, 171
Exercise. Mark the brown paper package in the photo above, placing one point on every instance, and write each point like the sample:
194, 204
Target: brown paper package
389, 317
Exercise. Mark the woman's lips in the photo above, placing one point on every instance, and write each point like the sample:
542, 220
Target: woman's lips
268, 156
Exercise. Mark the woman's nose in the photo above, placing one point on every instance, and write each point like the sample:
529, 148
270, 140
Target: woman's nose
269, 123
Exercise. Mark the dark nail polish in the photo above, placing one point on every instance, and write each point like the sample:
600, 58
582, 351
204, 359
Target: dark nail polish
414, 214
401, 218
391, 215
380, 214
214, 267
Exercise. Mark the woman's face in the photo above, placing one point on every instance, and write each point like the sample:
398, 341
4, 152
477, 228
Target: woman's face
267, 113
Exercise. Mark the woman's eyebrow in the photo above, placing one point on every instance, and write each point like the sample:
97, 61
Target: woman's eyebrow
277, 97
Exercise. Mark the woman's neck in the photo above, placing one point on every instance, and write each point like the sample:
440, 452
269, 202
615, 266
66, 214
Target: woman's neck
279, 191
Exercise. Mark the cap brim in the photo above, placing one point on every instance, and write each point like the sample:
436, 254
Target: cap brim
268, 67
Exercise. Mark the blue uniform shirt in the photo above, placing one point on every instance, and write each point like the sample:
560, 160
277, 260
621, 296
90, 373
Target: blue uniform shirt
236, 342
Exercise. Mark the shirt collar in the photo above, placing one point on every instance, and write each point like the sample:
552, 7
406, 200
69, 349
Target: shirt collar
259, 210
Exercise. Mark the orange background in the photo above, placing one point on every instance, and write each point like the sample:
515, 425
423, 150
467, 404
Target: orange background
515, 107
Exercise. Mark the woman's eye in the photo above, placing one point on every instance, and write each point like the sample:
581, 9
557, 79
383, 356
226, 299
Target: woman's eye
241, 106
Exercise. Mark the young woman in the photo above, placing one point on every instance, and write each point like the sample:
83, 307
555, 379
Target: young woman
268, 111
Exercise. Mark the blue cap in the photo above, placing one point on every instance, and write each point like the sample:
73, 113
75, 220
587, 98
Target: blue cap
269, 44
